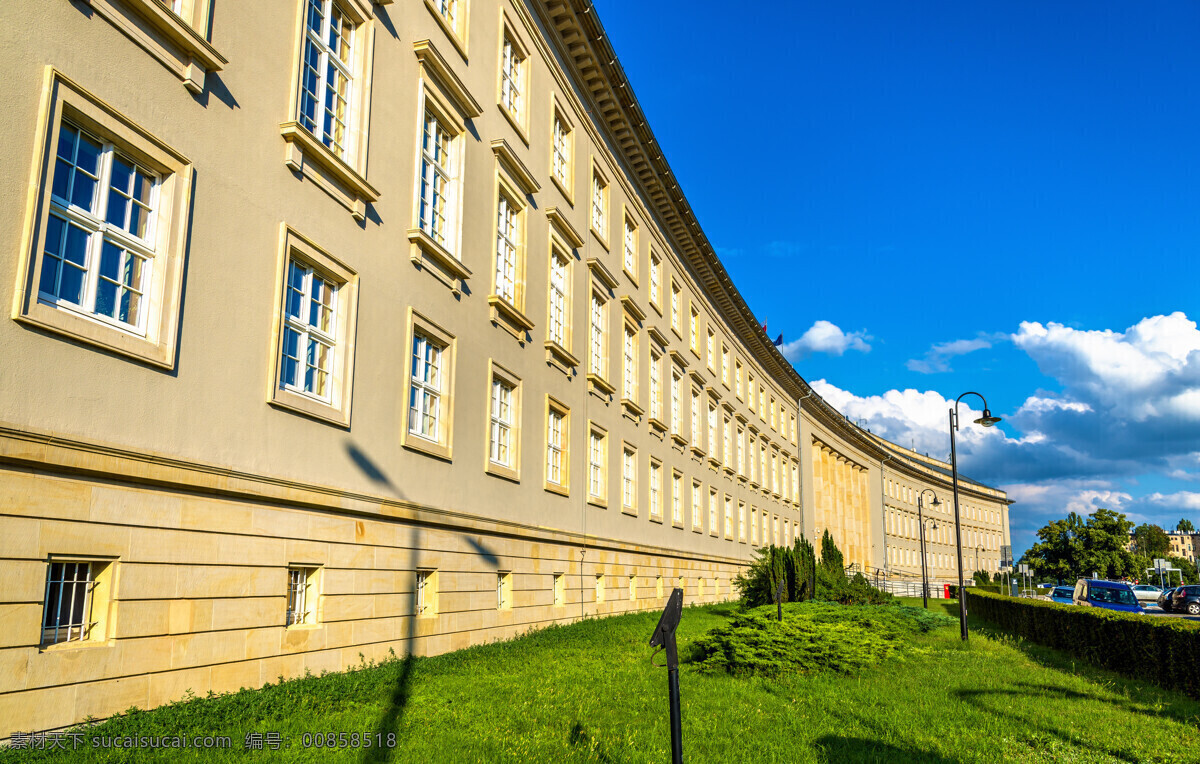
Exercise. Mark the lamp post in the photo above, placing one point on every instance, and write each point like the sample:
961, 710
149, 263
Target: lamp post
921, 521
987, 420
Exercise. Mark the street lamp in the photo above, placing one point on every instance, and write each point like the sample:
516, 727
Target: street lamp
987, 420
921, 521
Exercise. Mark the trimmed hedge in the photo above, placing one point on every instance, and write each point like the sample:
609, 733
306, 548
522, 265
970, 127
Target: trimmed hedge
1163, 650
994, 588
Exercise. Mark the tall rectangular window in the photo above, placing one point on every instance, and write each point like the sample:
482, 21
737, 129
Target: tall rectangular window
597, 459
425, 391
713, 527
326, 74
512, 83
598, 341
655, 385
560, 589
697, 509
556, 446
629, 478
438, 183
675, 402
656, 280
561, 158
629, 248
656, 508
599, 205
100, 242
741, 451
309, 332
676, 299
737, 379
694, 331
714, 445
711, 350
728, 517
502, 420
676, 497
629, 387
559, 299
754, 526
507, 241
725, 365
600, 588
697, 433
726, 440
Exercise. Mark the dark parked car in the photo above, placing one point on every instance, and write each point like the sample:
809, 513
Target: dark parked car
1186, 599
1164, 600
1110, 595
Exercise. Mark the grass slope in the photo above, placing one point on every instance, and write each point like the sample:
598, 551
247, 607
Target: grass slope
587, 692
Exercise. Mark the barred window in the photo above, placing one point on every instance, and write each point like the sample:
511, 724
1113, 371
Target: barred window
301, 598
67, 609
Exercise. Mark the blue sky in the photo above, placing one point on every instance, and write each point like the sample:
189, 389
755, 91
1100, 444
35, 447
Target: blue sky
934, 197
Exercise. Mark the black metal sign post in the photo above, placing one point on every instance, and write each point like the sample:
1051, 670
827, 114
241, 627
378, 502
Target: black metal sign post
779, 601
664, 637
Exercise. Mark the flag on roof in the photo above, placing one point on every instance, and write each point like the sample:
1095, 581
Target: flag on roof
779, 340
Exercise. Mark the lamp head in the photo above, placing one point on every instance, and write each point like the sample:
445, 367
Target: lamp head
987, 420
936, 502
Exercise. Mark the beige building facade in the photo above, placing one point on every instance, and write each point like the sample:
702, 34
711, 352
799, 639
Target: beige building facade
342, 327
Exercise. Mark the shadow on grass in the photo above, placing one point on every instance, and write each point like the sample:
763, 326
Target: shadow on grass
836, 750
390, 719
978, 698
579, 738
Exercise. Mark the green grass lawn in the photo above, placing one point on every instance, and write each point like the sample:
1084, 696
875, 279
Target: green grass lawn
587, 692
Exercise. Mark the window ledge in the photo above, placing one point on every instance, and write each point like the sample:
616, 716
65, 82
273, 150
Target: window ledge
308, 156
451, 33
165, 36
677, 524
422, 445
310, 407
657, 424
509, 316
728, 470
598, 382
631, 511
678, 439
632, 408
656, 518
714, 462
596, 501
500, 471
557, 354
516, 124
599, 237
562, 187
697, 451
446, 267
561, 490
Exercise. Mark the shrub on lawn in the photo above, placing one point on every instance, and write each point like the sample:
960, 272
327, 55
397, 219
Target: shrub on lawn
803, 577
814, 636
1164, 650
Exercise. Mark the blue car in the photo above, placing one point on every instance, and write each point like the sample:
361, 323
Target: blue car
1110, 595
1063, 595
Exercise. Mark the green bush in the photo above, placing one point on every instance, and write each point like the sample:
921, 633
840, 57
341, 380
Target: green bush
803, 577
994, 588
812, 637
1163, 650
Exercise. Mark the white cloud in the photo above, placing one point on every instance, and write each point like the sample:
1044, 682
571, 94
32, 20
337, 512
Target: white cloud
825, 337
937, 358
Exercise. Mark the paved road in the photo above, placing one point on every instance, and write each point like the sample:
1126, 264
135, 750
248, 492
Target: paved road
1155, 610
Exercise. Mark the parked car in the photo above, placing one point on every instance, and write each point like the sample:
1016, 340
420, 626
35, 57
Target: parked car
1063, 595
1164, 600
1146, 592
1110, 595
1186, 599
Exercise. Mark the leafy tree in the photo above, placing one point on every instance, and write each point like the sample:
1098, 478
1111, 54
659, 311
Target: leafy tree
981, 577
831, 556
1186, 526
1151, 541
1075, 547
